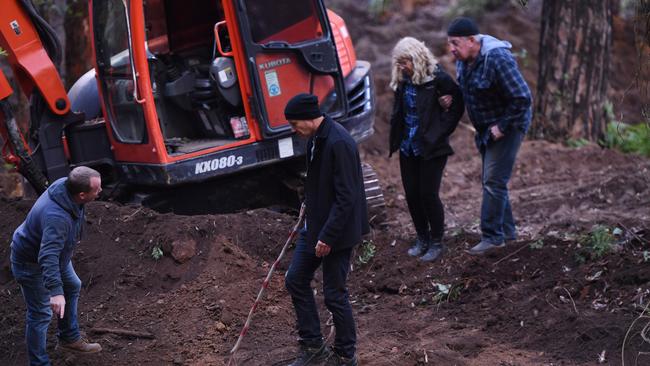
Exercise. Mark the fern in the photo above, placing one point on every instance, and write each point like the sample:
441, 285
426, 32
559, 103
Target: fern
628, 138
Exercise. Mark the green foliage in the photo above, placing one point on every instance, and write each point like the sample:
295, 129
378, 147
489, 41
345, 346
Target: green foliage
377, 8
537, 244
474, 8
598, 243
601, 241
156, 253
523, 56
577, 143
459, 231
628, 138
446, 293
367, 251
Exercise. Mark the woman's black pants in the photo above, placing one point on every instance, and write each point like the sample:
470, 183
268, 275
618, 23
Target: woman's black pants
421, 179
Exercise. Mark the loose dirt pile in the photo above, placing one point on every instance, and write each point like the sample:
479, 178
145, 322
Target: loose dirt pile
544, 300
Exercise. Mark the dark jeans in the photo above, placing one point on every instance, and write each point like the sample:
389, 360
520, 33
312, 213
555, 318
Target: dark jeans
421, 179
298, 282
39, 313
497, 222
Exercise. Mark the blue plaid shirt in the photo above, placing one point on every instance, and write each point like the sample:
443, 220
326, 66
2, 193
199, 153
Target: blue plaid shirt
410, 146
494, 90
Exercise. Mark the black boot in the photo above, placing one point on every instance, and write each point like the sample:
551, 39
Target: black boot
312, 355
434, 252
419, 247
336, 360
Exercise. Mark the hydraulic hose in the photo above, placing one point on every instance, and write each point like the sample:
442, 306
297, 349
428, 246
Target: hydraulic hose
27, 167
45, 31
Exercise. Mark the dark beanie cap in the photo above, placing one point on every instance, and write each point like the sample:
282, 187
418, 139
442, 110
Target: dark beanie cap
462, 27
302, 107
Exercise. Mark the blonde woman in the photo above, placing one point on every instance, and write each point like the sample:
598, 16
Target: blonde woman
427, 107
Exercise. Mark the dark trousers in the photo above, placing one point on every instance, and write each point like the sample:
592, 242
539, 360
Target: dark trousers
497, 221
298, 282
421, 179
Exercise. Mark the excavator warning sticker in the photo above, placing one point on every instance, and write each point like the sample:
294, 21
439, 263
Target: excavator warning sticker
272, 83
225, 75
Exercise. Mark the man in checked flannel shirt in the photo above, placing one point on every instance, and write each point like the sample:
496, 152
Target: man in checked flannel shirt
498, 103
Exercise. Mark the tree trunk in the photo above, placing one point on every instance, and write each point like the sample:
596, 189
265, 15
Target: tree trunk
78, 50
642, 40
574, 56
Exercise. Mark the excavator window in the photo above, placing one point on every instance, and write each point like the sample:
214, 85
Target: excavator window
126, 117
290, 21
180, 25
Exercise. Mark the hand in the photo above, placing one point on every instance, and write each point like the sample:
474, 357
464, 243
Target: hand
57, 303
322, 249
445, 101
496, 132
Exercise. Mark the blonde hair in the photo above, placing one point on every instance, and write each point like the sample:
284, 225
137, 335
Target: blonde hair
424, 63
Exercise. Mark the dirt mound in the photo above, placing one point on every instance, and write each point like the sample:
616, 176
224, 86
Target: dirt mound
191, 308
524, 306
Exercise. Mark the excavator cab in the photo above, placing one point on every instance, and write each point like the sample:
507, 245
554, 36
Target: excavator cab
184, 91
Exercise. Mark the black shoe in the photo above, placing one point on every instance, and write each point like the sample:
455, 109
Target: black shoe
484, 247
419, 247
336, 360
434, 252
312, 355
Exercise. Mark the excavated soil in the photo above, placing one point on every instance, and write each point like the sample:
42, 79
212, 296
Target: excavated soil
543, 300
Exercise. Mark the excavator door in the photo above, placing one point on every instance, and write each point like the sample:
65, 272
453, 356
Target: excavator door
291, 50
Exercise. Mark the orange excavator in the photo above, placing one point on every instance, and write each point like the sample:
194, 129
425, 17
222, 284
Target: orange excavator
181, 91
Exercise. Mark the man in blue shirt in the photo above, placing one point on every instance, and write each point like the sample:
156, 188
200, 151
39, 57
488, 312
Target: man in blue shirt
498, 103
41, 253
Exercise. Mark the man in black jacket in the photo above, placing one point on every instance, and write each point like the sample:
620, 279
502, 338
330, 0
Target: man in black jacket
336, 219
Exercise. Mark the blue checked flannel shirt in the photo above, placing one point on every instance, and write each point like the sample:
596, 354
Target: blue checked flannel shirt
494, 90
410, 146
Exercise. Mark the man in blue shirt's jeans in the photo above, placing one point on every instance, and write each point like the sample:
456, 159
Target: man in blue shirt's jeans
41, 253
498, 102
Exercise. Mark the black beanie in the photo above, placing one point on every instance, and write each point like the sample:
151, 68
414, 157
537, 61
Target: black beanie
462, 27
302, 107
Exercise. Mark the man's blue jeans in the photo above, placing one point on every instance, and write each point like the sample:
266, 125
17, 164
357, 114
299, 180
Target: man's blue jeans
39, 313
497, 222
298, 282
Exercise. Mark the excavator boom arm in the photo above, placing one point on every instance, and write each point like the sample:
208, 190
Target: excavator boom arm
32, 51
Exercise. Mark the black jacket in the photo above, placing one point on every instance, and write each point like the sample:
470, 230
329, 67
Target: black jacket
436, 125
334, 192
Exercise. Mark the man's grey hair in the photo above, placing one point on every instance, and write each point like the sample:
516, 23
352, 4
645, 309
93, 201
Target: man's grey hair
79, 179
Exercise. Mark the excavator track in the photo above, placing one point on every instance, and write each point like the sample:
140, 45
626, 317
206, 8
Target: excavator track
374, 195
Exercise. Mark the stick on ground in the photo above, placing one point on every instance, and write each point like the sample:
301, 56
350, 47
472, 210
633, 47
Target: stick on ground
122, 332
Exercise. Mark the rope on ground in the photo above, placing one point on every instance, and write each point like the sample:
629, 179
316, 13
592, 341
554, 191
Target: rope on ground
511, 254
642, 317
265, 284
